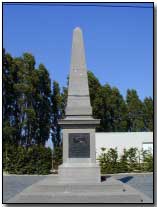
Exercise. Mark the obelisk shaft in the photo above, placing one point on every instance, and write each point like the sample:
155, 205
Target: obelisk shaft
78, 127
78, 102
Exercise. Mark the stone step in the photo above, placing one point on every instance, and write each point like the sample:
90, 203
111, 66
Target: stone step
71, 197
78, 173
110, 191
78, 188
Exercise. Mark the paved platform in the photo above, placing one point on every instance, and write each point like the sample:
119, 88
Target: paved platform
14, 184
49, 190
140, 181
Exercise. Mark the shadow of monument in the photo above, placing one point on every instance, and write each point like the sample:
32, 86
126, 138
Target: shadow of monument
126, 179
104, 177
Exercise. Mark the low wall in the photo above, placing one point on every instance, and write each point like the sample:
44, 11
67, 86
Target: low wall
123, 140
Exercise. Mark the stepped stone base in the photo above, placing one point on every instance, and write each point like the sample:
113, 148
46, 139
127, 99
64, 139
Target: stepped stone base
79, 173
50, 190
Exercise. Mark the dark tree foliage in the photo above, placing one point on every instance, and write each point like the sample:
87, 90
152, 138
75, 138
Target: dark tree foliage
56, 115
94, 86
11, 127
64, 96
43, 105
148, 113
31, 110
108, 105
116, 113
31, 160
134, 111
26, 101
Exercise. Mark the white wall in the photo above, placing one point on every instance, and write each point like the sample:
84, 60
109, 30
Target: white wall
122, 140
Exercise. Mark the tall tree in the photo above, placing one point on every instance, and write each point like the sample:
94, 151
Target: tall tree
64, 96
26, 100
11, 126
94, 86
26, 91
110, 107
100, 108
42, 105
56, 114
118, 111
8, 99
148, 113
30, 109
135, 111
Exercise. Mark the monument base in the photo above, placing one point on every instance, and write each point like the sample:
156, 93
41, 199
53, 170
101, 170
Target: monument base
50, 190
79, 173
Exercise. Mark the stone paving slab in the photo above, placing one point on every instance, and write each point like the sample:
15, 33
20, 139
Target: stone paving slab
107, 193
73, 198
14, 184
142, 182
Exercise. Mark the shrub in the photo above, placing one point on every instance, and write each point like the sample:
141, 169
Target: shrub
131, 160
108, 160
123, 162
147, 164
31, 160
57, 157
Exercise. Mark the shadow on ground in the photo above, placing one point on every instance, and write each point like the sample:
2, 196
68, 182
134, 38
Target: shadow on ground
126, 179
103, 177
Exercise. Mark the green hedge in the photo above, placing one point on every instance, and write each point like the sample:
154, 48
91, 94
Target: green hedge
132, 160
31, 160
38, 160
57, 157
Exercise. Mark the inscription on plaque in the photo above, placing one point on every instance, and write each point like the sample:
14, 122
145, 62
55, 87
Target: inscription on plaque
79, 145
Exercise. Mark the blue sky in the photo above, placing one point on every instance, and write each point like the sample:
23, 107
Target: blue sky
118, 41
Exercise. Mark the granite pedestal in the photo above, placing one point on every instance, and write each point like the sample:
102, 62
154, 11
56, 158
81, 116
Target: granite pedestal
79, 164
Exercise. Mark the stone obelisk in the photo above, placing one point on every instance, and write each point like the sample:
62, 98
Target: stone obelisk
79, 175
78, 91
78, 126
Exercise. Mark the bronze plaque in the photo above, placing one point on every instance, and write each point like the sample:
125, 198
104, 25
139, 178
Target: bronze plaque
79, 145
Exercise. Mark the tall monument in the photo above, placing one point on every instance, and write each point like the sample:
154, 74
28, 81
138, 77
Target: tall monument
78, 126
79, 175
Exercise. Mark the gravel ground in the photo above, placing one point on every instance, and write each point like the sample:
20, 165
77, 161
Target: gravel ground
15, 184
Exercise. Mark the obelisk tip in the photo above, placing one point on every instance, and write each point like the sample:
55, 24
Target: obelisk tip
77, 29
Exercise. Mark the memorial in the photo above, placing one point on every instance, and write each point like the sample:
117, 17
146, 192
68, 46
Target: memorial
78, 179
78, 126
